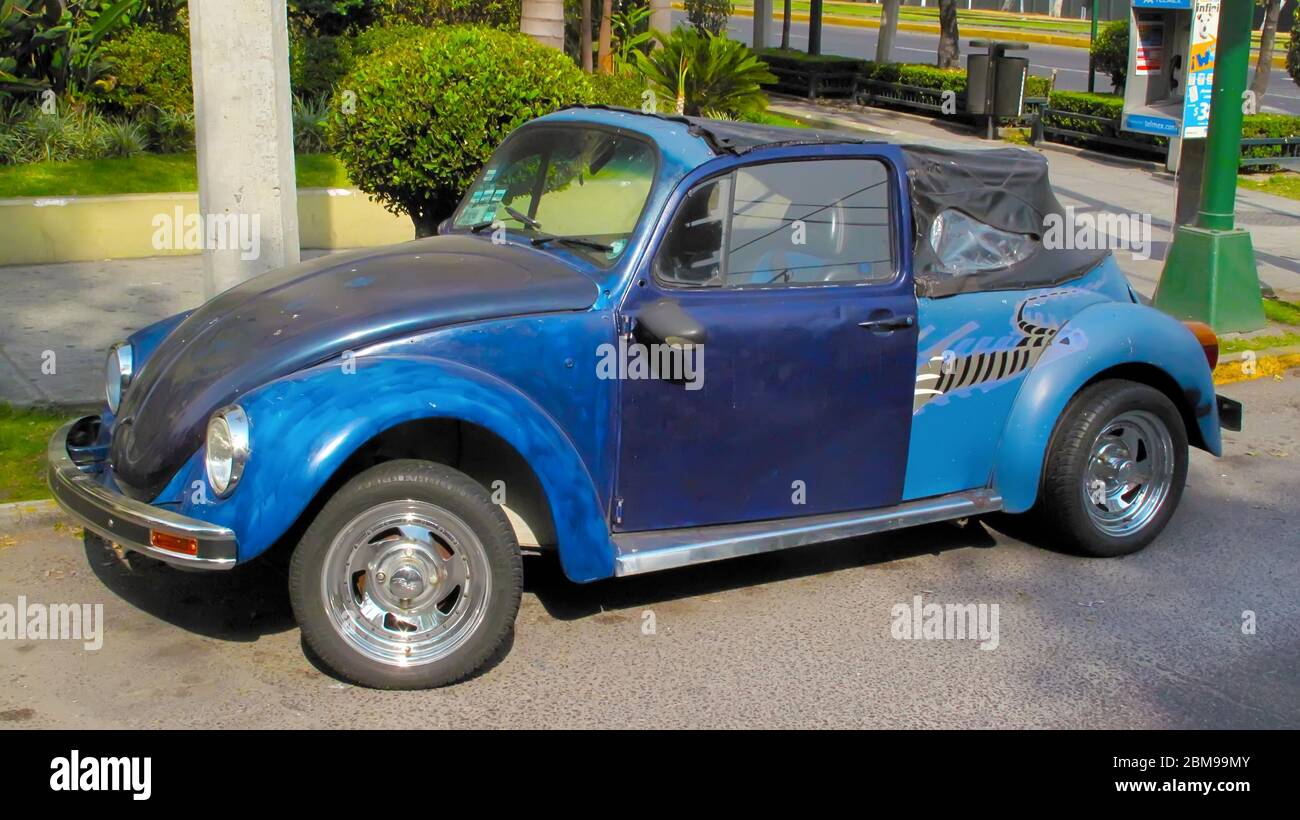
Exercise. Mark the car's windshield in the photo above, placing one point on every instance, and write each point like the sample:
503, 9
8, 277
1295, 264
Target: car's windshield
579, 187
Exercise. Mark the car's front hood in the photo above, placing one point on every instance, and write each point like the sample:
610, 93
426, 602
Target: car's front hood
304, 314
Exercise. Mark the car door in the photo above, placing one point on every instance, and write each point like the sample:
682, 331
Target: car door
794, 275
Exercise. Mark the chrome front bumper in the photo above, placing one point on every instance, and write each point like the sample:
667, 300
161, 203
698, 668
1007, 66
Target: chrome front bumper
131, 524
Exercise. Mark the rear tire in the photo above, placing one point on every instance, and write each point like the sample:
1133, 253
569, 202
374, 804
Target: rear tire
1115, 470
408, 578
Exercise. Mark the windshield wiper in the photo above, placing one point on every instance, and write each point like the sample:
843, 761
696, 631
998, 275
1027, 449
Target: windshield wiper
539, 241
482, 226
524, 219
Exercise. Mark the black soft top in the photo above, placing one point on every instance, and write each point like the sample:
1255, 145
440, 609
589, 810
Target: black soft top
1005, 188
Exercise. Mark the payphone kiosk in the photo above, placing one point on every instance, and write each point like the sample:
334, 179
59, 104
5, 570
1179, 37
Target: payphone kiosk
1171, 67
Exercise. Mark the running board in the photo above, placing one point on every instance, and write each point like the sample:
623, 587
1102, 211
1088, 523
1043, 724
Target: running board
653, 550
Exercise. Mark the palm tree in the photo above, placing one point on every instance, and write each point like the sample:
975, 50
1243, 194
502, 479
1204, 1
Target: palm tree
785, 26
949, 50
543, 20
606, 53
584, 35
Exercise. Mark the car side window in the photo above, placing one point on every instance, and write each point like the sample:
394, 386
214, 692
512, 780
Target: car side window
784, 223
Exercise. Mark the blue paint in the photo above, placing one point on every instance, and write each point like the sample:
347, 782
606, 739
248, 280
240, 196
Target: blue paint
506, 337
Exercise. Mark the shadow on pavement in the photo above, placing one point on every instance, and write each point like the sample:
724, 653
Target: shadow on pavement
566, 601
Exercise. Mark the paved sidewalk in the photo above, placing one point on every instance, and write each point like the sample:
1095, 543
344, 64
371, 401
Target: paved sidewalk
62, 318
74, 311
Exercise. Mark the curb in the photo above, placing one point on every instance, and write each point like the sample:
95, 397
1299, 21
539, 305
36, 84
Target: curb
1001, 34
21, 515
1266, 363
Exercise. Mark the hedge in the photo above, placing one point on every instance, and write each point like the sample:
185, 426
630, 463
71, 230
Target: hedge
1111, 106
919, 75
146, 68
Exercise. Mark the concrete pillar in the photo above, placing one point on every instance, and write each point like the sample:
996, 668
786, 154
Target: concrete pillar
661, 15
543, 20
243, 129
762, 23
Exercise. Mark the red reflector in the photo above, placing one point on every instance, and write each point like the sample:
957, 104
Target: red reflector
174, 543
1208, 340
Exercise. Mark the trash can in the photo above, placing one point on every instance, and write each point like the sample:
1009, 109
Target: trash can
1009, 90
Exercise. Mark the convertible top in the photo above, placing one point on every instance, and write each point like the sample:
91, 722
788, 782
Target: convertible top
1004, 188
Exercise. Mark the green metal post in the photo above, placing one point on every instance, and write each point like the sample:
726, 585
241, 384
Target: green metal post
1210, 274
1092, 63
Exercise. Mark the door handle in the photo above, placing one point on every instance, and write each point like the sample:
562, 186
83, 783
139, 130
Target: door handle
888, 324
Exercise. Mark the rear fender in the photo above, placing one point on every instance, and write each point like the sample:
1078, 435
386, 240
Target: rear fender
1111, 336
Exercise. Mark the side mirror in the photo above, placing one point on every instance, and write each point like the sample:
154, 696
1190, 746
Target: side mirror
664, 322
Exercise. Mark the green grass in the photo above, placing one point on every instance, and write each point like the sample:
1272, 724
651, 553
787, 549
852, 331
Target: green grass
1287, 185
979, 18
773, 118
1259, 342
1282, 312
143, 174
23, 437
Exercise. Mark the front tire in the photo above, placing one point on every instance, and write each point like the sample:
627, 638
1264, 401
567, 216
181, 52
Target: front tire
1115, 470
408, 578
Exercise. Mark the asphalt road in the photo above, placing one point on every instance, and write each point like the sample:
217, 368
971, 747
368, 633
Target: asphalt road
1071, 64
795, 639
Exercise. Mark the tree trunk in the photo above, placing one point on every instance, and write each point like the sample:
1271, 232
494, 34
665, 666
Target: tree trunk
1264, 67
949, 42
543, 20
888, 28
785, 26
584, 36
606, 57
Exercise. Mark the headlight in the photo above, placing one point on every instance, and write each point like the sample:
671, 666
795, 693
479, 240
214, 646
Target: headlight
227, 449
117, 374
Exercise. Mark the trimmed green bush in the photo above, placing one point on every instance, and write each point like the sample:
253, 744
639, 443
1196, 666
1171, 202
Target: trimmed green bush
430, 110
1111, 106
502, 14
317, 64
623, 90
919, 75
1110, 51
147, 68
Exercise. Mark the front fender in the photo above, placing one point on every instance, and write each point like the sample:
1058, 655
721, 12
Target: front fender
305, 426
1097, 339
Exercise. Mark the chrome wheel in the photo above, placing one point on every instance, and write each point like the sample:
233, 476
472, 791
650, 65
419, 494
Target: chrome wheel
1130, 473
405, 583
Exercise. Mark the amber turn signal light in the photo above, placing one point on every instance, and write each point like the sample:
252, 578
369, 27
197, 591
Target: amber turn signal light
1208, 340
174, 543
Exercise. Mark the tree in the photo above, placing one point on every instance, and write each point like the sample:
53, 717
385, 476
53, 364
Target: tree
785, 26
584, 35
425, 120
705, 74
888, 28
1263, 68
606, 53
949, 42
1293, 50
709, 15
543, 20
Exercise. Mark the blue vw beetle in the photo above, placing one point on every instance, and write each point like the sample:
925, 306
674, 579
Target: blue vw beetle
645, 342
